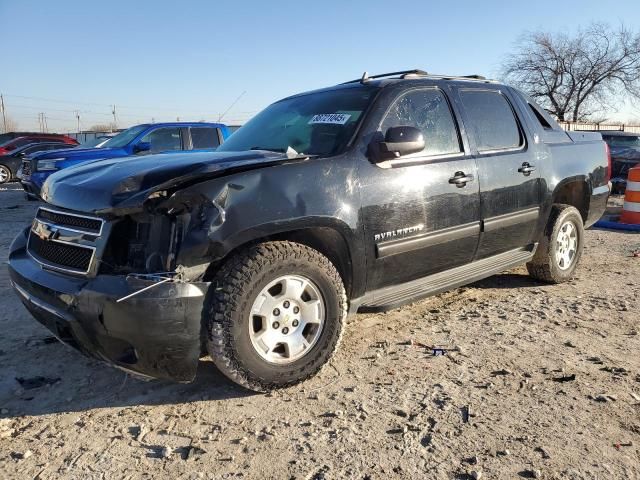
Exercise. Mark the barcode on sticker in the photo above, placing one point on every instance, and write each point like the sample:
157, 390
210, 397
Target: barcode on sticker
330, 118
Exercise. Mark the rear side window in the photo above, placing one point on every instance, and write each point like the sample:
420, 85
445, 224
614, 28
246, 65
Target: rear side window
492, 120
204, 137
427, 110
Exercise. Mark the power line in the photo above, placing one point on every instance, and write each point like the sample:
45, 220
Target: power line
132, 107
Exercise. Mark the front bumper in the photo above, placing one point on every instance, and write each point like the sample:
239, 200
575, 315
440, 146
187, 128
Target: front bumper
156, 333
30, 189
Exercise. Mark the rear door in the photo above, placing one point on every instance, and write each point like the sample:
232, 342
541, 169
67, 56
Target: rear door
510, 191
421, 212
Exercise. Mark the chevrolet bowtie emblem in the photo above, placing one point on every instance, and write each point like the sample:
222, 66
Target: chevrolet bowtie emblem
44, 231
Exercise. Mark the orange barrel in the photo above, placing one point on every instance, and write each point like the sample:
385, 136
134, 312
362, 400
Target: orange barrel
631, 208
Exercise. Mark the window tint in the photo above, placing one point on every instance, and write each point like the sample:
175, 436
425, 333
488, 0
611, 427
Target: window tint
429, 111
204, 137
492, 120
163, 139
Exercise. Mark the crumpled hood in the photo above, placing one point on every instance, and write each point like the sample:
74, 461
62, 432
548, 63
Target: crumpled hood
125, 183
81, 153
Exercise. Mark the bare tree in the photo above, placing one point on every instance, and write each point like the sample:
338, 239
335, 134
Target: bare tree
103, 127
577, 76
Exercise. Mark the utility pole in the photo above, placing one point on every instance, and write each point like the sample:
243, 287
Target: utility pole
113, 112
77, 112
4, 117
44, 121
40, 124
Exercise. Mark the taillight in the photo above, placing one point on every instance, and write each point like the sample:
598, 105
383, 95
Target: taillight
609, 166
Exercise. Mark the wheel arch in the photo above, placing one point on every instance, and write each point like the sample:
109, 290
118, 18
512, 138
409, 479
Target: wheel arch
332, 238
574, 191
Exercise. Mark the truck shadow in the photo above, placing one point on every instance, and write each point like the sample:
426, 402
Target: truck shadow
88, 384
508, 280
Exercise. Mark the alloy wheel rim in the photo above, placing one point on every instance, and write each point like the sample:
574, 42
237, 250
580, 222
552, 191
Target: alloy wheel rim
566, 245
4, 175
286, 319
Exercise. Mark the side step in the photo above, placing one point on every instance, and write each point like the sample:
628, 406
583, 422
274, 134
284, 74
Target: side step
398, 295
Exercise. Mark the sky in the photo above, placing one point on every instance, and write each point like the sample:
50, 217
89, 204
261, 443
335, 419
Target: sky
162, 60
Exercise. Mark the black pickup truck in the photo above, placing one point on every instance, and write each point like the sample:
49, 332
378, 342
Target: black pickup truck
359, 197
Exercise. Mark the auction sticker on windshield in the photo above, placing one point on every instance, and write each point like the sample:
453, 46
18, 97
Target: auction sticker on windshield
330, 118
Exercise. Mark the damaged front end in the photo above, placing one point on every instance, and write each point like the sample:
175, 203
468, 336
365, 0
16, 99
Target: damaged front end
125, 278
113, 286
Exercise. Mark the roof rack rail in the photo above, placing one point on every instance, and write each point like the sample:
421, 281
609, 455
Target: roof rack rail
366, 77
404, 74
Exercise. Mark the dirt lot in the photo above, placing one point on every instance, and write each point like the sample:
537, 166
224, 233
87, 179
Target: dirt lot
539, 381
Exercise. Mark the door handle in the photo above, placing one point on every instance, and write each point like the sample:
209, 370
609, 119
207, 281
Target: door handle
526, 169
459, 179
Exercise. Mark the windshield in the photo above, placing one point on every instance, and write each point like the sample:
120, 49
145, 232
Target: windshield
315, 124
95, 142
124, 138
623, 141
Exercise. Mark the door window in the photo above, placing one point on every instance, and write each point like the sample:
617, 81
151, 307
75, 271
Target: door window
204, 137
163, 139
492, 120
427, 110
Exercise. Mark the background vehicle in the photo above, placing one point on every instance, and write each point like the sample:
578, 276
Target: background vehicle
13, 142
97, 142
10, 163
363, 196
625, 154
139, 140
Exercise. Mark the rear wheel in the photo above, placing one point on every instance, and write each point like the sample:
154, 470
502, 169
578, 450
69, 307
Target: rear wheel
560, 249
275, 315
5, 174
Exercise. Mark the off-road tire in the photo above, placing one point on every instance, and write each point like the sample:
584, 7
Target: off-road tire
544, 265
230, 299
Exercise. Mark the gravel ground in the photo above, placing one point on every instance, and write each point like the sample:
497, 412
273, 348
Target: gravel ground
538, 381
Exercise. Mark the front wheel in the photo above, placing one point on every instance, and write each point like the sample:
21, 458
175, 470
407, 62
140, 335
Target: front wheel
560, 249
5, 174
275, 315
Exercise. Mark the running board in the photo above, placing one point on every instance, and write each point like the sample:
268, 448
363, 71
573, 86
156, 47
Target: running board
398, 295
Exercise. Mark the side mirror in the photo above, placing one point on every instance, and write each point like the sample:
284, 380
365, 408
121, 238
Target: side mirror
142, 147
398, 141
21, 155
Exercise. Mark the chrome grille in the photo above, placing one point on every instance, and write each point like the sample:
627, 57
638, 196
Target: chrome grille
61, 255
71, 221
64, 241
26, 168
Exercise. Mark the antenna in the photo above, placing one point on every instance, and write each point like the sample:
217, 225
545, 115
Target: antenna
231, 106
365, 77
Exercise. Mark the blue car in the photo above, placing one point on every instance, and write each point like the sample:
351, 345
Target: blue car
138, 140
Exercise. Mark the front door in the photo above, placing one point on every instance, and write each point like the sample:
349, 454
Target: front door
509, 180
421, 213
